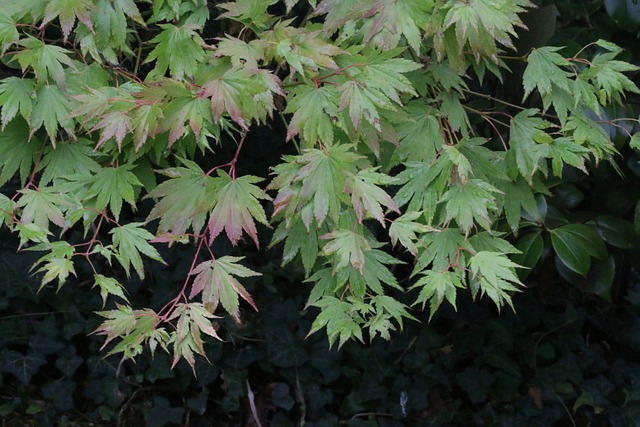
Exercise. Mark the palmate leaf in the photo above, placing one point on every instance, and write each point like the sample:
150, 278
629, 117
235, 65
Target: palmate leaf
398, 17
182, 198
435, 286
178, 49
185, 111
253, 13
129, 242
525, 133
108, 286
8, 31
17, 151
314, 111
544, 69
67, 158
341, 318
242, 54
16, 95
216, 282
367, 197
404, 229
46, 60
518, 197
111, 186
236, 205
41, 206
193, 319
56, 264
297, 239
67, 11
470, 203
349, 248
494, 274
51, 108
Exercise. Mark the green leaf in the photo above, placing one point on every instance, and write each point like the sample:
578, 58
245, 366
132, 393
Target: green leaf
108, 286
131, 240
494, 274
46, 60
253, 13
366, 196
341, 319
575, 244
349, 248
314, 111
236, 205
531, 246
51, 109
404, 229
518, 198
616, 231
182, 198
67, 11
544, 69
177, 49
435, 286
298, 239
216, 282
16, 95
67, 158
193, 319
111, 186
526, 132
470, 203
17, 151
242, 53
8, 31
41, 206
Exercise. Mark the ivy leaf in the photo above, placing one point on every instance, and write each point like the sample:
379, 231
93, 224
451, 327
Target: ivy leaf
494, 274
435, 286
131, 240
46, 60
111, 186
181, 199
178, 49
108, 286
341, 319
469, 203
236, 205
349, 248
404, 229
367, 196
17, 151
16, 95
67, 11
215, 280
575, 244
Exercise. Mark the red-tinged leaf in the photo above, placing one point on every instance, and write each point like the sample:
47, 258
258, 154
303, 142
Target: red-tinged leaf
349, 248
193, 319
237, 205
366, 196
114, 124
216, 282
67, 11
224, 98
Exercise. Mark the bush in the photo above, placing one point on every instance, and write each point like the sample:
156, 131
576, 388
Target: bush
397, 153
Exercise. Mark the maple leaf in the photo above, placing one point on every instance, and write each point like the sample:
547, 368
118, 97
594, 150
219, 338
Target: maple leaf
114, 124
186, 108
340, 318
236, 205
404, 229
41, 206
435, 286
401, 17
339, 12
178, 49
57, 263
565, 151
193, 319
16, 95
421, 136
526, 132
349, 248
298, 239
182, 199
242, 54
17, 151
67, 158
216, 282
131, 240
544, 70
111, 186
518, 196
253, 13
367, 196
108, 286
67, 11
8, 31
314, 111
46, 60
470, 202
493, 274
51, 109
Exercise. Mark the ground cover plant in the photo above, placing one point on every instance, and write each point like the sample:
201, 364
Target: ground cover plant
202, 173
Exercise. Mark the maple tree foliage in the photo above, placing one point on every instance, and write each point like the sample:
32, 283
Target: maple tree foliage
110, 103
